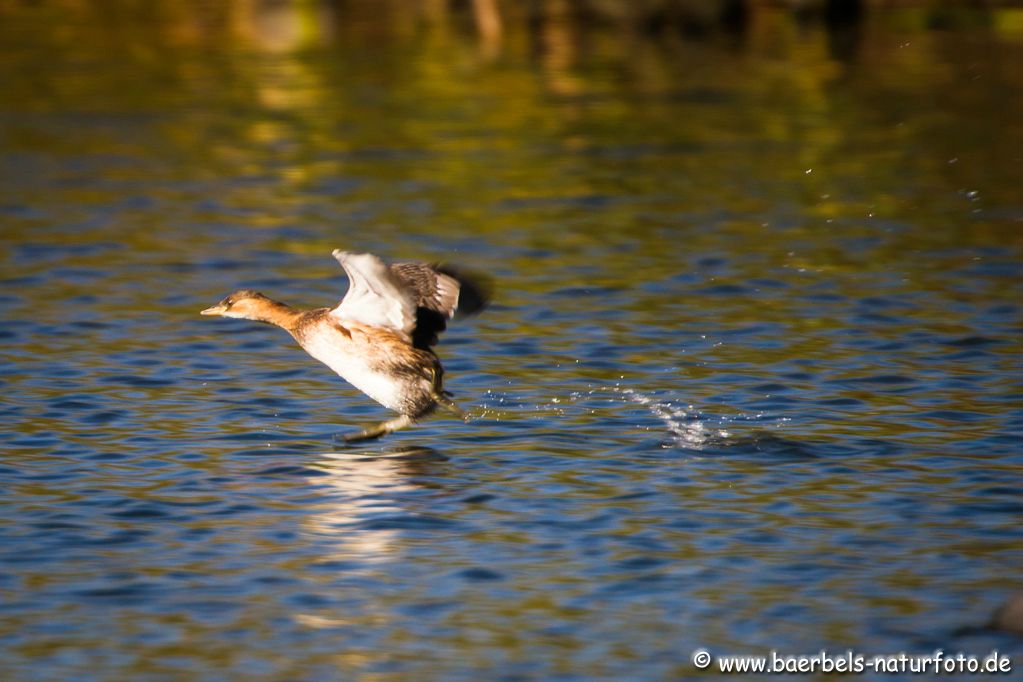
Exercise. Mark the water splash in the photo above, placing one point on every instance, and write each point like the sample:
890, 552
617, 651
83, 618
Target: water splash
685, 428
683, 425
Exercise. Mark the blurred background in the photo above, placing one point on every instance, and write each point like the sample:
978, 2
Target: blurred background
751, 379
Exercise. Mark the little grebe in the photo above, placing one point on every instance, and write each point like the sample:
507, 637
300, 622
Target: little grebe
379, 337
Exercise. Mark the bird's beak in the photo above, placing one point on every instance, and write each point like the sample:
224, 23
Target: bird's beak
214, 310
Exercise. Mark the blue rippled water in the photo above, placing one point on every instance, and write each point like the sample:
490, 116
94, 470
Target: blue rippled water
745, 408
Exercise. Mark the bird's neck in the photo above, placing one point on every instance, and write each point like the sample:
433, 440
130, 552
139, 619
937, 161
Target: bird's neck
277, 313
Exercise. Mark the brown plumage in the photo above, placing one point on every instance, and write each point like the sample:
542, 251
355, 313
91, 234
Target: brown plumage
441, 292
380, 336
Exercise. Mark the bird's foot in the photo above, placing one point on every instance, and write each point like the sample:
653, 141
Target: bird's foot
449, 405
381, 429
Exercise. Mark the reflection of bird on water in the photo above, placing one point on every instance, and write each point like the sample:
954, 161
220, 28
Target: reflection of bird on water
379, 337
367, 501
408, 459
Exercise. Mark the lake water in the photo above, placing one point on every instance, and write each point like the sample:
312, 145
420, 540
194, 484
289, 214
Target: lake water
751, 380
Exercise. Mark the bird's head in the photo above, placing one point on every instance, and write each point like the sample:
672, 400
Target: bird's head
245, 304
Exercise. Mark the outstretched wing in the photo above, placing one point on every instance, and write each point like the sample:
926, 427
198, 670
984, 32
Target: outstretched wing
431, 289
376, 297
440, 292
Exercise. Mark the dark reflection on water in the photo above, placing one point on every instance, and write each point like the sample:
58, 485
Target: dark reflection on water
750, 381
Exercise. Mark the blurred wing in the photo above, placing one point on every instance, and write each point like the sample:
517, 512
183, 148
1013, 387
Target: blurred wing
375, 296
431, 289
440, 292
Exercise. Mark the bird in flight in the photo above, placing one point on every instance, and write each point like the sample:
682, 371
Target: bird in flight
380, 337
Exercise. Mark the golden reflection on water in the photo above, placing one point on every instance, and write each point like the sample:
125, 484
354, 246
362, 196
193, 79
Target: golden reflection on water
275, 90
